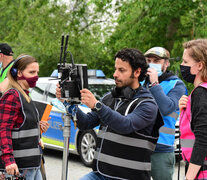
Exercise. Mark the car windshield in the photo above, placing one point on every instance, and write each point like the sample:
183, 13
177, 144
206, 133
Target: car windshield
100, 89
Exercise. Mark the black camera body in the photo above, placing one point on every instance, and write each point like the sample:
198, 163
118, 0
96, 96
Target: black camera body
74, 77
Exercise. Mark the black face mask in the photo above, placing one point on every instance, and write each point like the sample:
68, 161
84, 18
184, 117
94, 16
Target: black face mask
187, 76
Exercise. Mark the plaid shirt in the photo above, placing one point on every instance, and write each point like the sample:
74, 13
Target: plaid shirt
11, 116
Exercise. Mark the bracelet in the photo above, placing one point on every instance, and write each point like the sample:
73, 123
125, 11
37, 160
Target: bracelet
153, 84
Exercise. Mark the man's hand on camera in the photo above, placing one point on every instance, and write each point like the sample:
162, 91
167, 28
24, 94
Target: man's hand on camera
88, 98
58, 93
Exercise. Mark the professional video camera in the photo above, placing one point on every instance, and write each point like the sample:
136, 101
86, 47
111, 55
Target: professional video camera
74, 77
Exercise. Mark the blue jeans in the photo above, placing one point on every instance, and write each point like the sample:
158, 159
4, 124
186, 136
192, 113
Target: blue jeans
95, 176
32, 174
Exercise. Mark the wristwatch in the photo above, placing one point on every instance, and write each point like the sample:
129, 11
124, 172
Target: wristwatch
97, 106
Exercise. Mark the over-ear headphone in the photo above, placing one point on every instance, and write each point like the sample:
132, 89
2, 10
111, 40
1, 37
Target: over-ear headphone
14, 69
125, 92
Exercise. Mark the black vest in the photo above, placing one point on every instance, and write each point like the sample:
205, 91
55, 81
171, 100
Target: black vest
124, 156
25, 140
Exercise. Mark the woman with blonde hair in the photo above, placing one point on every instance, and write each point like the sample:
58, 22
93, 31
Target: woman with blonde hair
19, 122
193, 118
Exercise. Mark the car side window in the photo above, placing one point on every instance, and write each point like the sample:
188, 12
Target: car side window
38, 92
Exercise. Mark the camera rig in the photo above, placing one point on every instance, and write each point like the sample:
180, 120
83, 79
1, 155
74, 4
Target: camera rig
74, 77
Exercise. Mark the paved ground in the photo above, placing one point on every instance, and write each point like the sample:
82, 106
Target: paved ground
182, 171
53, 165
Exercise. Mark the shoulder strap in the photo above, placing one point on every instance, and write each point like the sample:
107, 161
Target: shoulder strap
136, 102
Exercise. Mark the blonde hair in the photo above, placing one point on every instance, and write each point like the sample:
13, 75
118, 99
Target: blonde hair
21, 64
198, 51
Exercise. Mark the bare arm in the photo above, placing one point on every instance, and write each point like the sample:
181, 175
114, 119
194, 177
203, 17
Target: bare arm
192, 171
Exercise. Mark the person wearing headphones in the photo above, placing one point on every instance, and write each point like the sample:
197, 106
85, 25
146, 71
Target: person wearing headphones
19, 122
127, 116
6, 60
166, 89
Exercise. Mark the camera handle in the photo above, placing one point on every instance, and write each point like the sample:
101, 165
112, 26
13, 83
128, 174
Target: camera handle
70, 114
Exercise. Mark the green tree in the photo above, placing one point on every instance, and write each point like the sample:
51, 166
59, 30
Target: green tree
98, 29
36, 27
146, 23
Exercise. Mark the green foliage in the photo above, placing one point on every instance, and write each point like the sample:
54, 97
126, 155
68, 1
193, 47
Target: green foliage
168, 23
98, 29
36, 27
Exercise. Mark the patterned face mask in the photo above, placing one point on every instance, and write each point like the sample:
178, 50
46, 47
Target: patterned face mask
31, 81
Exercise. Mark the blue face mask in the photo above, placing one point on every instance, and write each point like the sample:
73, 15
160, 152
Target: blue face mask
0, 65
157, 67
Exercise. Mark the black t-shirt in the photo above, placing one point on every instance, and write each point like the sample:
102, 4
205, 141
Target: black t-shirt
199, 124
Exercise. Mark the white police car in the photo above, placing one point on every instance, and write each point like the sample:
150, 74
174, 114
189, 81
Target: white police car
82, 143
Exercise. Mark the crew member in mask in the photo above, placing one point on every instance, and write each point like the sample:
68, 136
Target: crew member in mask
193, 117
167, 89
19, 122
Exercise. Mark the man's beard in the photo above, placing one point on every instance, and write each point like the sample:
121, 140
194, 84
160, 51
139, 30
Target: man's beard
127, 83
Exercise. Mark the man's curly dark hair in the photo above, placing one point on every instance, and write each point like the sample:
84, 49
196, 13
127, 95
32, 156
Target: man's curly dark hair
135, 58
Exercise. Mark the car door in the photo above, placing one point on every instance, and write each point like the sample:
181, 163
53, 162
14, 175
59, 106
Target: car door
56, 119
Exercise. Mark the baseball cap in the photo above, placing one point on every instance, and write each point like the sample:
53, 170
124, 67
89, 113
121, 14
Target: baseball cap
159, 52
6, 49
